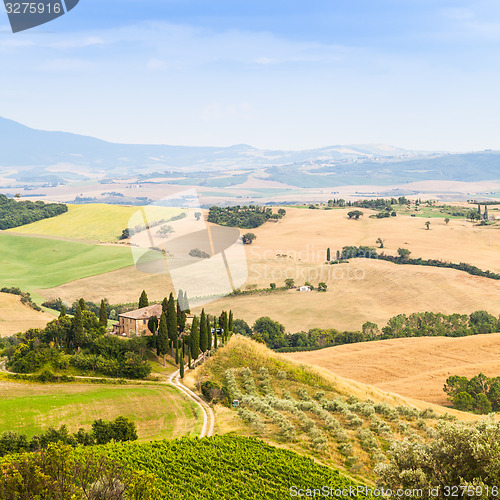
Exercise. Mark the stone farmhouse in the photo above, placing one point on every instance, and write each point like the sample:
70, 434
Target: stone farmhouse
134, 323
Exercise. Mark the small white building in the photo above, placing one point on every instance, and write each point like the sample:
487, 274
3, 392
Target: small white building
305, 288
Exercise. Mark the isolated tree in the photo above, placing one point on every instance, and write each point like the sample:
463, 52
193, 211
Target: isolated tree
203, 332
328, 254
272, 286
82, 304
162, 339
143, 300
195, 338
103, 314
248, 238
289, 283
322, 287
447, 220
197, 215
427, 225
380, 242
404, 253
78, 333
354, 214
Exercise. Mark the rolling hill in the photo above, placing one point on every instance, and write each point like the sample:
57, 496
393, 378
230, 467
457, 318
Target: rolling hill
412, 367
16, 317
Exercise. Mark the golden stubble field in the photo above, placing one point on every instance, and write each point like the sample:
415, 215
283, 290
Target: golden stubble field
360, 291
412, 367
16, 317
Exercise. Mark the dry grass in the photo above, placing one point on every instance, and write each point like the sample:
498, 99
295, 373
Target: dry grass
357, 292
412, 367
16, 317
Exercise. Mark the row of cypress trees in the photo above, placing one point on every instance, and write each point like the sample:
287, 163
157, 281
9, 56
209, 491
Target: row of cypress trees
169, 331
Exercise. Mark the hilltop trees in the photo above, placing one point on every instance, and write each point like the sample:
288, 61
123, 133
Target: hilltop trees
247, 217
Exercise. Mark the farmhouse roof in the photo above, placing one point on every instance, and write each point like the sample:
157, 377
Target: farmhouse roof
147, 312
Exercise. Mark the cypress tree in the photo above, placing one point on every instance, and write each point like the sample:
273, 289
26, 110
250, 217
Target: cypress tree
180, 299
189, 359
328, 254
215, 332
209, 334
181, 370
171, 320
195, 339
230, 322
82, 305
103, 314
181, 318
338, 254
63, 312
78, 326
164, 305
185, 303
226, 327
203, 332
153, 327
162, 339
176, 352
143, 300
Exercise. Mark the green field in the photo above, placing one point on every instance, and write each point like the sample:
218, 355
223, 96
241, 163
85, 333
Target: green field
159, 411
98, 222
32, 263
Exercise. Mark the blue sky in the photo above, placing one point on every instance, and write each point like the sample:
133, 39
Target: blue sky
419, 74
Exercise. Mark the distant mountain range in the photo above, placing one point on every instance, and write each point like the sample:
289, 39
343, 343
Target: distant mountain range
28, 150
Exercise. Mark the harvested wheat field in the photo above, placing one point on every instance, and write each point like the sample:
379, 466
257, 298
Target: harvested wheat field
16, 317
412, 367
363, 290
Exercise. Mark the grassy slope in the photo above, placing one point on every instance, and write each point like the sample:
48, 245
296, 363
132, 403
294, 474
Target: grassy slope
31, 263
159, 411
92, 222
16, 317
242, 352
414, 367
97, 222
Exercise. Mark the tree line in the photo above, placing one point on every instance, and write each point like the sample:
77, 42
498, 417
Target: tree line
403, 257
479, 394
120, 430
18, 213
423, 324
246, 217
